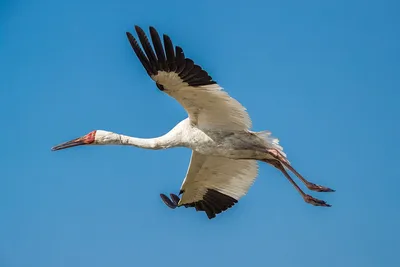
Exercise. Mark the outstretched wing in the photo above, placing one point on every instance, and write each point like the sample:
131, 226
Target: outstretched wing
206, 103
215, 184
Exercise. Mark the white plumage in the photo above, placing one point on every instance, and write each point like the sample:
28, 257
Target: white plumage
208, 106
228, 176
225, 151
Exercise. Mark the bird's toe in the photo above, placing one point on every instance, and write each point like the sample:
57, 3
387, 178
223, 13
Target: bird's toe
319, 188
316, 202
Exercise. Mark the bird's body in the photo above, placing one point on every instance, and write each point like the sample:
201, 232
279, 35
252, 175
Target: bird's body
225, 152
239, 144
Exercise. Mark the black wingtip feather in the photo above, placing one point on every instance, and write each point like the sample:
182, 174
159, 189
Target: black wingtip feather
192, 74
167, 58
169, 49
189, 65
213, 203
139, 53
147, 49
180, 60
155, 37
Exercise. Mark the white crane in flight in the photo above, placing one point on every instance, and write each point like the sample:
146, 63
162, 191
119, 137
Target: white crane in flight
225, 152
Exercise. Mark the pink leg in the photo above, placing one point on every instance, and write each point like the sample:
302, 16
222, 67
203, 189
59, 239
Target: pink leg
311, 186
307, 198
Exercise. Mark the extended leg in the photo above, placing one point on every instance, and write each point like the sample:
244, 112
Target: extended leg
311, 186
307, 198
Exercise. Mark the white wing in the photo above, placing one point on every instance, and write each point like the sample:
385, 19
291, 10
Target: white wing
207, 104
214, 184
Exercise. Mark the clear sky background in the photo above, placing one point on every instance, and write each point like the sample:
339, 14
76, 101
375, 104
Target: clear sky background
323, 76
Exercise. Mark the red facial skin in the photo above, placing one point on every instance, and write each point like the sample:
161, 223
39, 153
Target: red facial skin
89, 138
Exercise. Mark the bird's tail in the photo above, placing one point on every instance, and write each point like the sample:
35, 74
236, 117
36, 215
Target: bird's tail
271, 141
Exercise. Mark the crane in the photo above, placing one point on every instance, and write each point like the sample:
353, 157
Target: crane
225, 152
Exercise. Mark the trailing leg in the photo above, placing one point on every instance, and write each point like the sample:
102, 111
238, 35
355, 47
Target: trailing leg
310, 186
307, 198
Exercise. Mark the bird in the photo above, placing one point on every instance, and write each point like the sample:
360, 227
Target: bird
225, 151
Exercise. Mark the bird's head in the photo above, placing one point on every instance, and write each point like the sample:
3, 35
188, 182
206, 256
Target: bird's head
97, 137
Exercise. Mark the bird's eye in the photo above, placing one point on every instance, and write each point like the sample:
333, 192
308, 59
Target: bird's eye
160, 86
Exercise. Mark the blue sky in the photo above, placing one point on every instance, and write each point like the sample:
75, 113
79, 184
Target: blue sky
323, 76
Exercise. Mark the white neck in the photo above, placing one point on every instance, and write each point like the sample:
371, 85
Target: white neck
162, 142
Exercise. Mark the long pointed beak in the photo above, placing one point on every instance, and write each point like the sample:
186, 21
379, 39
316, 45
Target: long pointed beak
76, 142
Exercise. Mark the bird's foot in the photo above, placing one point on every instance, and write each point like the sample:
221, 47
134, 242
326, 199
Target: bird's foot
171, 203
314, 201
319, 188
